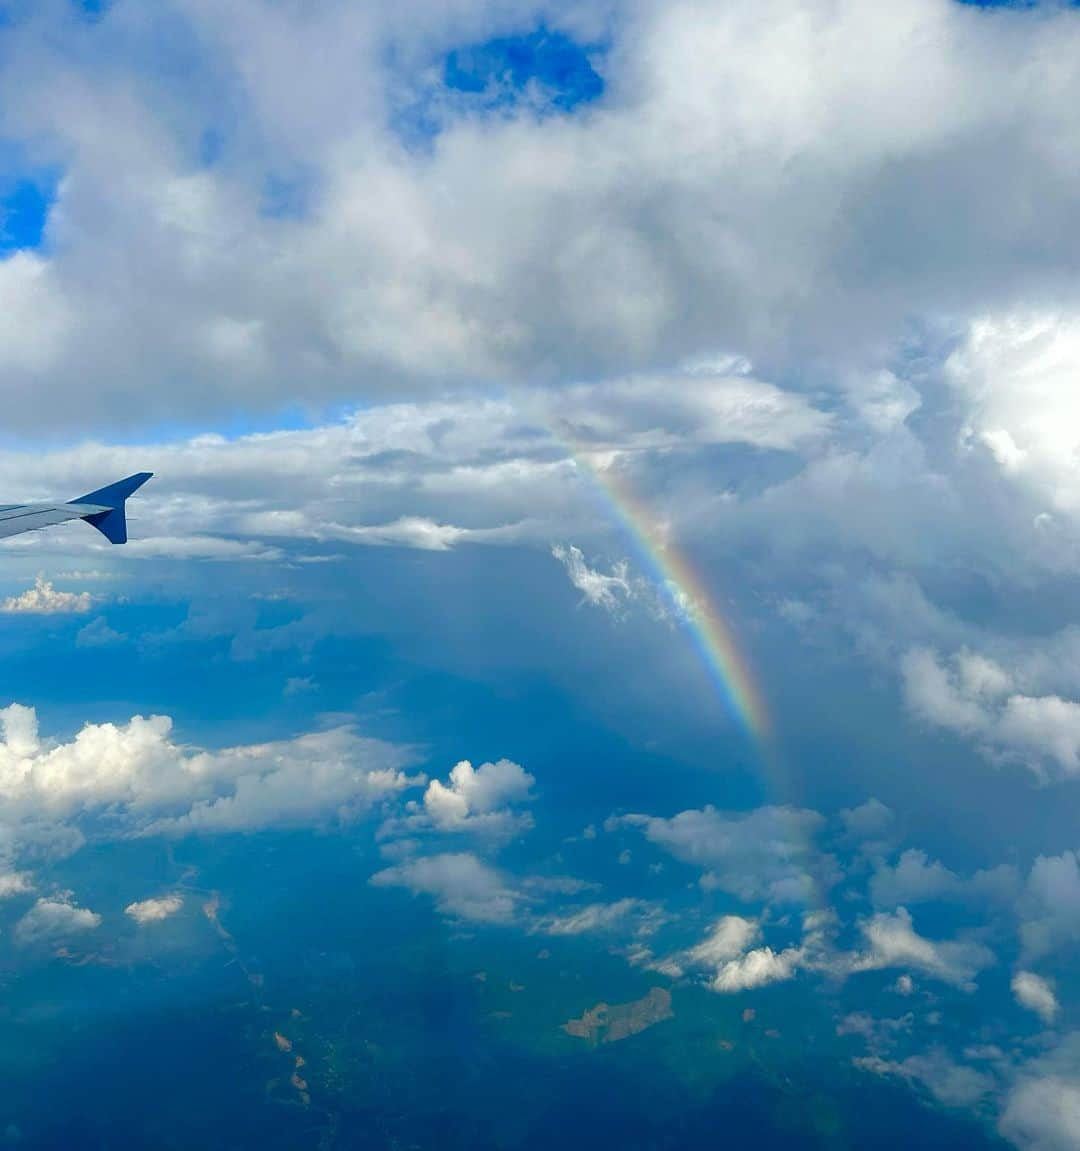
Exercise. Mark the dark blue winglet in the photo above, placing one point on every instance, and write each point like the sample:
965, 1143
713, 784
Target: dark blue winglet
113, 524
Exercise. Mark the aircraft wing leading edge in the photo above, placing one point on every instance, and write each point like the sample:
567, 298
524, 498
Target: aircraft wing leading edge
104, 509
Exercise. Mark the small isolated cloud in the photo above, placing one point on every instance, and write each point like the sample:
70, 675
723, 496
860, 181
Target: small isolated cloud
460, 884
977, 699
1036, 994
15, 883
55, 918
44, 599
480, 798
154, 910
871, 820
609, 591
98, 633
595, 917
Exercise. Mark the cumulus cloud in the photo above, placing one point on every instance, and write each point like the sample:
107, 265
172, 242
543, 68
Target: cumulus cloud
763, 854
44, 599
1050, 906
975, 698
727, 235
480, 798
1041, 1109
915, 878
55, 918
731, 962
132, 778
1036, 994
756, 969
155, 909
460, 883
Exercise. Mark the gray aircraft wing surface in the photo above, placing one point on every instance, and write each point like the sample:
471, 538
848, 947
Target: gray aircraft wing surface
105, 509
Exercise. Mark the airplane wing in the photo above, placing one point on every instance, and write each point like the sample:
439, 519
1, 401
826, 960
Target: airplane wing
103, 508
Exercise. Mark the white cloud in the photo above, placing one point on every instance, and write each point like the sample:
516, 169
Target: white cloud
607, 591
729, 938
727, 236
480, 798
1043, 1114
1050, 907
951, 1083
894, 942
1018, 375
915, 878
1041, 1109
733, 965
44, 599
594, 917
756, 969
460, 883
15, 883
1036, 994
155, 909
149, 784
1042, 732
762, 854
55, 918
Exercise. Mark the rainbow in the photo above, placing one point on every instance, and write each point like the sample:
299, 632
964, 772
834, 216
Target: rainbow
688, 596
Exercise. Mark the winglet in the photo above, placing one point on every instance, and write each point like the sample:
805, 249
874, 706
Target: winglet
113, 523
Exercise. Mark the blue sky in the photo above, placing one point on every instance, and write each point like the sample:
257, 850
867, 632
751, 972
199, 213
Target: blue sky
525, 387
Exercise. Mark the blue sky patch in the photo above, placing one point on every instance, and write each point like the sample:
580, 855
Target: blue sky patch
24, 208
506, 67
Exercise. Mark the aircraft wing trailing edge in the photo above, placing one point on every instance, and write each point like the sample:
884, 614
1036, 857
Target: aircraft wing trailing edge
103, 508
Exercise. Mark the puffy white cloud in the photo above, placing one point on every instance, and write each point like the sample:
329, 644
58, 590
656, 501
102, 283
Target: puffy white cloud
155, 909
756, 969
461, 885
147, 784
1036, 994
728, 235
44, 599
732, 964
55, 918
480, 798
1017, 374
762, 854
894, 942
